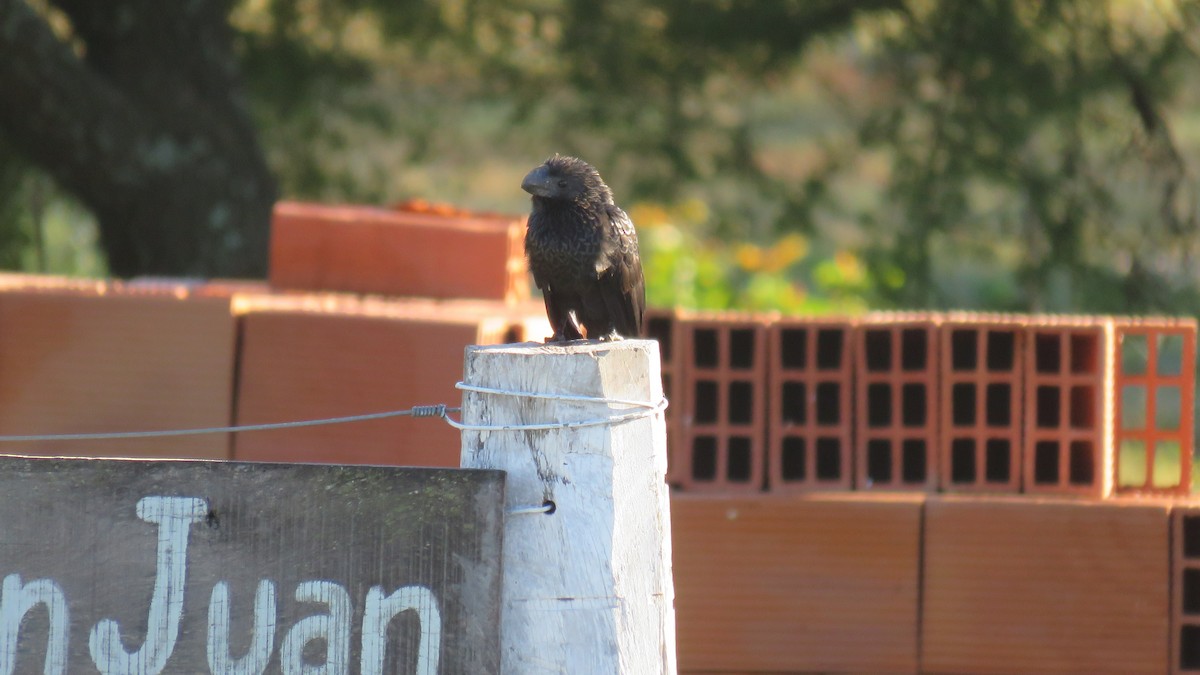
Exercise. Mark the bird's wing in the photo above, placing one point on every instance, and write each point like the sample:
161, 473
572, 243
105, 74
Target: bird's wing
620, 272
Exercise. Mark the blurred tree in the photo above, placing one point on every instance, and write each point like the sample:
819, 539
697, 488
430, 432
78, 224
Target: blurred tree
1039, 134
134, 107
1005, 154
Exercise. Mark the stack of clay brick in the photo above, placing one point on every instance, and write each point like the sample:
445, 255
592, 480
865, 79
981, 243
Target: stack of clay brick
366, 310
942, 493
956, 402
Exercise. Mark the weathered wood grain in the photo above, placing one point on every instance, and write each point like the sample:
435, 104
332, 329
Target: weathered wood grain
333, 548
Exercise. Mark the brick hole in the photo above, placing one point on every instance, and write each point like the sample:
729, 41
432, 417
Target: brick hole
879, 405
741, 349
879, 460
1047, 353
1082, 469
1191, 591
792, 345
738, 469
998, 405
1135, 354
666, 384
704, 458
962, 460
704, 410
794, 457
793, 403
913, 410
1133, 406
1045, 462
1170, 355
513, 334
828, 403
1191, 536
1049, 407
962, 404
1168, 405
998, 461
878, 347
964, 349
1083, 407
1131, 464
1189, 647
741, 402
706, 354
914, 349
1085, 352
660, 329
830, 345
829, 459
914, 461
1001, 351
1167, 464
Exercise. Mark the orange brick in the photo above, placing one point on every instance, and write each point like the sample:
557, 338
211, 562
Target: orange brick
810, 387
1020, 585
722, 375
1185, 588
308, 358
797, 583
1069, 406
663, 325
982, 379
371, 250
1155, 367
896, 401
83, 357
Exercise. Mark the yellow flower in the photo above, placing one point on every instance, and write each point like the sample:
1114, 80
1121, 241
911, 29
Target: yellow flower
849, 266
749, 257
785, 252
648, 214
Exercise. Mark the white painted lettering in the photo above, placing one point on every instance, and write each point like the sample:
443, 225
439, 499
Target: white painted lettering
333, 628
378, 615
262, 640
174, 517
15, 603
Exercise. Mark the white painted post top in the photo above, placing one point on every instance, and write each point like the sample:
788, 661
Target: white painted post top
586, 589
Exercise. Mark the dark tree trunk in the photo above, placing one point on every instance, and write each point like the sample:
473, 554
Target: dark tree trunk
141, 116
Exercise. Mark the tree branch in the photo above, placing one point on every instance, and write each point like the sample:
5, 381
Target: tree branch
60, 112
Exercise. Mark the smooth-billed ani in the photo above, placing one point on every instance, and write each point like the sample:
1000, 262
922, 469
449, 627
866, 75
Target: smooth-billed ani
583, 252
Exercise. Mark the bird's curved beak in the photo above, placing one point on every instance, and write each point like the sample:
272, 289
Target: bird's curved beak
538, 183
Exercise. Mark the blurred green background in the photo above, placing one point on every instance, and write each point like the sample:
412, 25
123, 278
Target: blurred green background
808, 156
815, 156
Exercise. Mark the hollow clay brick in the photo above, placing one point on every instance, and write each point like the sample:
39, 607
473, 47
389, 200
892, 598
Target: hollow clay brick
896, 402
1185, 588
1068, 406
811, 387
372, 250
982, 376
1155, 390
316, 357
723, 368
663, 325
822, 582
81, 356
1020, 585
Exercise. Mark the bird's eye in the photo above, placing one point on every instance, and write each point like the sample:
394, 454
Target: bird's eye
562, 183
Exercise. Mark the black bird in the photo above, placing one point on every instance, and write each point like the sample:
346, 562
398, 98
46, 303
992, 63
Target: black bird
583, 252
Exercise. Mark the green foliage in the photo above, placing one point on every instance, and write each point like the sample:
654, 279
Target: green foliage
1040, 135
686, 269
998, 154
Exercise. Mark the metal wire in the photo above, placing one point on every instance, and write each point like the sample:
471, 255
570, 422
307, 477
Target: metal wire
440, 410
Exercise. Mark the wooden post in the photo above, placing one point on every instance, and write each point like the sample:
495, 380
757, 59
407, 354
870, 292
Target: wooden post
586, 588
